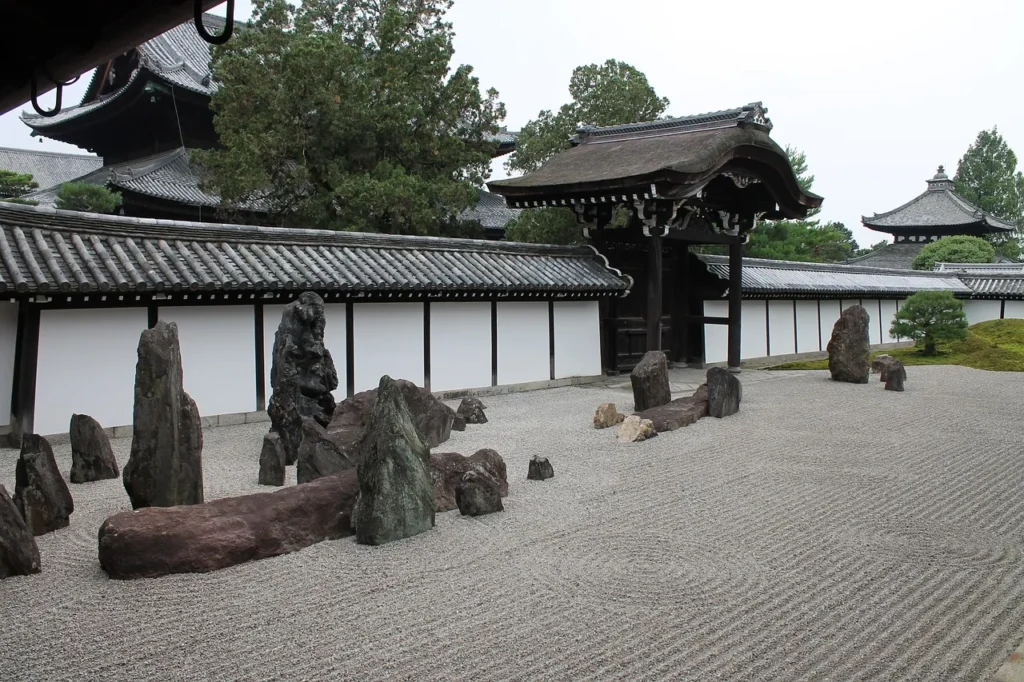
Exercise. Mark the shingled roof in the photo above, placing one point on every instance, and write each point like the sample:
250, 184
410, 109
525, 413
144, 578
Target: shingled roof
938, 211
48, 168
46, 251
788, 279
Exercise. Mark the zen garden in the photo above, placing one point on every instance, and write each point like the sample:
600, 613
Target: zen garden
293, 388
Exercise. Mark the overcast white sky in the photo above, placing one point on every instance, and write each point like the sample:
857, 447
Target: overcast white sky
876, 92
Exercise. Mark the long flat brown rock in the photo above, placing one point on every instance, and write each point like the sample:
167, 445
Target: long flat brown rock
678, 413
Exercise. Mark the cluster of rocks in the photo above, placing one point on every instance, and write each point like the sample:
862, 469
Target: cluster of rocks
656, 412
849, 353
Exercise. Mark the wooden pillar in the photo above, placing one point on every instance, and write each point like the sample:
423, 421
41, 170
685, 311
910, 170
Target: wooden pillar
735, 304
26, 356
654, 285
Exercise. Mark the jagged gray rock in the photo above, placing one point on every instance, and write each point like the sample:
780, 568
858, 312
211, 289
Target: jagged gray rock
540, 469
650, 381
272, 461
472, 410
19, 554
302, 374
477, 494
165, 467
849, 348
448, 468
396, 495
40, 493
319, 454
92, 458
723, 392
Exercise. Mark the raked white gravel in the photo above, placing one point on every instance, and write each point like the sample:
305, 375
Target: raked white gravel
827, 532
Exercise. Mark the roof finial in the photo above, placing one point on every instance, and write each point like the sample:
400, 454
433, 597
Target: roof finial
942, 169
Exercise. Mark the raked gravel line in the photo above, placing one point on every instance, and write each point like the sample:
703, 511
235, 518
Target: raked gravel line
827, 532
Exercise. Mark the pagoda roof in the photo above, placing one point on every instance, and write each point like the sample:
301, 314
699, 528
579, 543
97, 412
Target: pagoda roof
48, 168
669, 158
938, 210
46, 251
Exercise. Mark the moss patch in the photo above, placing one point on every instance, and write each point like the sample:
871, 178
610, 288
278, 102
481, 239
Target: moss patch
996, 345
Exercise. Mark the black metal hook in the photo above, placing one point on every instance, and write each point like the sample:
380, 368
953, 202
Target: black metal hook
229, 24
35, 99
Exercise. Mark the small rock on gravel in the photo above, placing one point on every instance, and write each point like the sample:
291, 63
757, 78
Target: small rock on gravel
607, 416
472, 410
650, 381
92, 458
272, 461
895, 374
723, 393
635, 429
540, 469
477, 494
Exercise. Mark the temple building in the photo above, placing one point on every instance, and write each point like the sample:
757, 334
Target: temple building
937, 212
145, 110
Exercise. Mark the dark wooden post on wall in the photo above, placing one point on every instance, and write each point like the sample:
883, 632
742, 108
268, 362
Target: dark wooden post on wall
654, 292
735, 304
26, 355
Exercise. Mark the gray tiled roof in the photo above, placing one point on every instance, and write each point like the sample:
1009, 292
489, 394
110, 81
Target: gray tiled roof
787, 279
1005, 267
491, 211
48, 168
995, 286
43, 250
938, 206
753, 113
890, 257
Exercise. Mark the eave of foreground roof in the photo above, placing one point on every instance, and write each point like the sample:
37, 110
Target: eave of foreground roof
46, 251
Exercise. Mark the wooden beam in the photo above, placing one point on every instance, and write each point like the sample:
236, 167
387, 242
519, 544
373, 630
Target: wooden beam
26, 359
735, 304
654, 282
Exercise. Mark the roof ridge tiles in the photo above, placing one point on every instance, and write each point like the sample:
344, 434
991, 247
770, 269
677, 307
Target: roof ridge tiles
46, 152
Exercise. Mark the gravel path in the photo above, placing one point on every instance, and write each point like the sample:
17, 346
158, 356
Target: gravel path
827, 532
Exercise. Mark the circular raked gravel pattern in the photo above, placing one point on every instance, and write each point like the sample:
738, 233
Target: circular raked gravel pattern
826, 532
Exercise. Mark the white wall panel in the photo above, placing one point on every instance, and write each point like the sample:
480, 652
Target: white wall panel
888, 314
218, 355
875, 324
1014, 310
781, 328
753, 331
829, 317
8, 341
981, 311
577, 339
808, 337
716, 336
87, 365
460, 345
524, 352
335, 340
387, 339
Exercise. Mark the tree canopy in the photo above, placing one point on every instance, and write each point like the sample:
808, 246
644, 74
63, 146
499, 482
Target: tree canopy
930, 317
956, 249
987, 176
346, 115
13, 184
87, 197
612, 93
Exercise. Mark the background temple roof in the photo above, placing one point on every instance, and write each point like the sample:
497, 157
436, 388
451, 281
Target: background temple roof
48, 168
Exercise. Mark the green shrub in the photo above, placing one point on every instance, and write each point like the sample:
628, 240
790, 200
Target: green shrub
929, 317
84, 196
959, 249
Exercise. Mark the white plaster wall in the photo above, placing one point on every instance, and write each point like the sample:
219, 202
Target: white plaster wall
716, 336
808, 337
387, 339
460, 345
981, 311
334, 339
87, 365
1014, 310
875, 326
218, 355
753, 340
523, 343
8, 342
888, 314
829, 317
781, 328
577, 339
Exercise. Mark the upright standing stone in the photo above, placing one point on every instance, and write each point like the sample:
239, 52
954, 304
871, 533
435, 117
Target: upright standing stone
303, 374
540, 469
272, 462
92, 458
723, 392
19, 554
895, 375
165, 467
40, 492
650, 381
849, 348
396, 494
